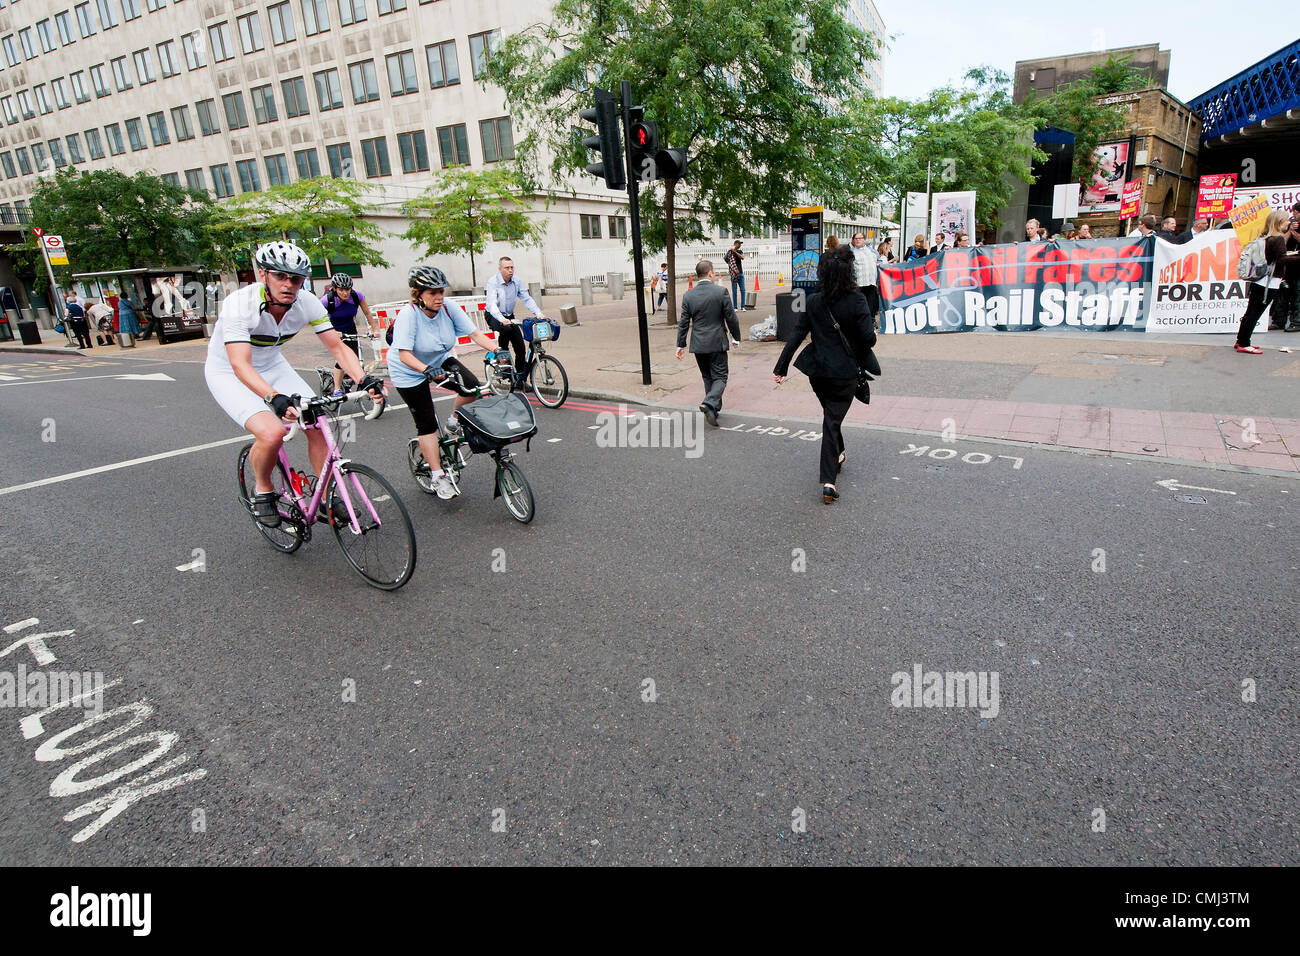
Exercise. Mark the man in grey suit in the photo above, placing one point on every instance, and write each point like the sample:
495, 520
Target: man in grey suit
710, 308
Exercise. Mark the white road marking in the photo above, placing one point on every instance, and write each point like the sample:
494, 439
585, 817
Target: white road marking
196, 563
552, 441
11, 378
157, 377
1173, 484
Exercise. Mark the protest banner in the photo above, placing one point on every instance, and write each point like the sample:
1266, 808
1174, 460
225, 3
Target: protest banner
1248, 218
1194, 286
1214, 195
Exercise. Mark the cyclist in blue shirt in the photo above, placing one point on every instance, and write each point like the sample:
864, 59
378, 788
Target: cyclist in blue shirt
424, 337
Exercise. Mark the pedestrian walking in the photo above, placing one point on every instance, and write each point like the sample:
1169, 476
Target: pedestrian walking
735, 260
1262, 290
127, 321
866, 272
708, 308
659, 288
1285, 313
77, 320
842, 337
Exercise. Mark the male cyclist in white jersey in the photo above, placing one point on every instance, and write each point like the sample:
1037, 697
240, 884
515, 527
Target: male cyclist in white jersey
249, 377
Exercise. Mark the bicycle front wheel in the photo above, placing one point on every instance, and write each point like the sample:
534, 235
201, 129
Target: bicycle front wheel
516, 492
288, 535
550, 382
383, 549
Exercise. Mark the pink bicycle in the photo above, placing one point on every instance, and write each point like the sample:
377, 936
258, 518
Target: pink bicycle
366, 514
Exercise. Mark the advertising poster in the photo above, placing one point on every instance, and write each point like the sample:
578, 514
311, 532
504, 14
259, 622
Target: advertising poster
1103, 192
1131, 205
1214, 195
950, 212
1194, 286
917, 222
1248, 218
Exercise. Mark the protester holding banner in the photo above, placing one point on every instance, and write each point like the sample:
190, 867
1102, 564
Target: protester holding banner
1285, 313
832, 369
1263, 289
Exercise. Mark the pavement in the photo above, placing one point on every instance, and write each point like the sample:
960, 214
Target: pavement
1185, 398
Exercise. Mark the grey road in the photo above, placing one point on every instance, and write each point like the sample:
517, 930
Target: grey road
687, 659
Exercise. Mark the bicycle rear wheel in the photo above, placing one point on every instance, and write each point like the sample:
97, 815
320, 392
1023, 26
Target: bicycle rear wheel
414, 459
549, 380
289, 534
516, 492
383, 552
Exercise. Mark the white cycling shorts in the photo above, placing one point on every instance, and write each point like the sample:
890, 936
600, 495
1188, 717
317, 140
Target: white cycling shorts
239, 401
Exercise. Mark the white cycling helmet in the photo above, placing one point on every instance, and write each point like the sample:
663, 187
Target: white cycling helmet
283, 257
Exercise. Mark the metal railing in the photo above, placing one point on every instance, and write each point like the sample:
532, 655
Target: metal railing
1269, 88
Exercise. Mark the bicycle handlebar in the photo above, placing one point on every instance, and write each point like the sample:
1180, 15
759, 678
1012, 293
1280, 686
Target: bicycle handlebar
318, 402
452, 382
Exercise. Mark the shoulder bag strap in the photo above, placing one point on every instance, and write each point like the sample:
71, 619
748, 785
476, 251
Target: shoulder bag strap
848, 348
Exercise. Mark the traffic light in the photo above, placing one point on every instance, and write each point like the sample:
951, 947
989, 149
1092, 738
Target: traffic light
607, 141
643, 139
671, 163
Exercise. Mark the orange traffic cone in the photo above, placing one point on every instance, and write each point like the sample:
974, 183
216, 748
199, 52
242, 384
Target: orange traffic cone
756, 282
690, 284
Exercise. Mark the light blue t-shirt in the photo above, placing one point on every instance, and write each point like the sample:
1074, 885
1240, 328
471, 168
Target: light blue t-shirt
431, 339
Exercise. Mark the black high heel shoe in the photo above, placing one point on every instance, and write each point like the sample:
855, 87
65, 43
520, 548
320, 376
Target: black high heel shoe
829, 494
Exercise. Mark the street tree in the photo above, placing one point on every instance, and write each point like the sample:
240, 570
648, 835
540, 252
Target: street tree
750, 94
463, 208
325, 215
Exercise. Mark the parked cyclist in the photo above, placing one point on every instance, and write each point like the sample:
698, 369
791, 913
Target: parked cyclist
424, 336
342, 302
503, 291
247, 375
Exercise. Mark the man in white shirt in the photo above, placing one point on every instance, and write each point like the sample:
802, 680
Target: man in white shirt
1146, 226
503, 291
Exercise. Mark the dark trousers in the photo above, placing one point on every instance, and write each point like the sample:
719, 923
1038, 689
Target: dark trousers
873, 302
511, 336
713, 369
1285, 312
1257, 299
836, 395
82, 331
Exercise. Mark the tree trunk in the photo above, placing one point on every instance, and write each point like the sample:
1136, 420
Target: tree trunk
670, 247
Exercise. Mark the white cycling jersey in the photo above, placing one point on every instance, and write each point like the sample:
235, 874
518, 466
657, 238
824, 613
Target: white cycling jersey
244, 318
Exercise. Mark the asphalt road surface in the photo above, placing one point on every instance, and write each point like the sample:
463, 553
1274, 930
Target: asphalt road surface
687, 659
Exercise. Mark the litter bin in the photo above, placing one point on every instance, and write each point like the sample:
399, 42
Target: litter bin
784, 315
29, 333
569, 314
751, 300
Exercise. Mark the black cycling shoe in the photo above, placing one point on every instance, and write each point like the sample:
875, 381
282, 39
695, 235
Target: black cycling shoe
266, 509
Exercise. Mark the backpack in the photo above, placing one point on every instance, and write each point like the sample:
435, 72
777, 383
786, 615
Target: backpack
1251, 264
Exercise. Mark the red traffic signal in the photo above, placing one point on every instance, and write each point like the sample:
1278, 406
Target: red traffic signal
645, 137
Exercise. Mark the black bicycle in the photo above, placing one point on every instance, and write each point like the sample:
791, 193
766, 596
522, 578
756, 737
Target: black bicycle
542, 373
369, 406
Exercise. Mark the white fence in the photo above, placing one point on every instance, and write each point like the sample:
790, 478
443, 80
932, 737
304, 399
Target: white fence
564, 269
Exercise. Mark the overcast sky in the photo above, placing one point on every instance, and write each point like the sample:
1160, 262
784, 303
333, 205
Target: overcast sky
936, 41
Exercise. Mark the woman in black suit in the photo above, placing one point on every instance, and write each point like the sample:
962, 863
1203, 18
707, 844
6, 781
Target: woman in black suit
831, 370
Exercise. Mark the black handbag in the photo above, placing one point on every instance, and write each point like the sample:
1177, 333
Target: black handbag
865, 375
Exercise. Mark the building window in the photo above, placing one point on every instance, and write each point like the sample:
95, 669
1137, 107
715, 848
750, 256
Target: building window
415, 153
39, 157
207, 110
56, 152
29, 48
94, 144
277, 170
295, 97
194, 57
120, 75
79, 91
328, 92
115, 145
85, 25
158, 129
315, 17
250, 34
618, 227
144, 67
45, 31
42, 99
481, 46
401, 73
351, 11
444, 69
249, 182
236, 116
7, 161
60, 93
7, 103
130, 9
281, 18
64, 23
194, 180
7, 213
74, 148
24, 161
25, 105
498, 143
590, 226
391, 6
98, 80
453, 144
171, 179
11, 51
365, 84
219, 42
135, 134
221, 184
181, 122
308, 163
155, 5
167, 59
107, 18
340, 160
374, 154
263, 104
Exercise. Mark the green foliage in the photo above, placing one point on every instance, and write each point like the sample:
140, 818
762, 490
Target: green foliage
110, 220
325, 216
463, 208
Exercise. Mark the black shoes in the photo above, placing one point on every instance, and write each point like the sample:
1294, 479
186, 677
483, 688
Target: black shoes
710, 415
829, 494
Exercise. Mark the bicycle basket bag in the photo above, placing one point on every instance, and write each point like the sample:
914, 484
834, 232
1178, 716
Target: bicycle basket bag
541, 330
492, 423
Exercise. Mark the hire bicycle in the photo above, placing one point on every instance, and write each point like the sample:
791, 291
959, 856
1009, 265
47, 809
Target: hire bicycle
370, 407
489, 426
364, 511
542, 373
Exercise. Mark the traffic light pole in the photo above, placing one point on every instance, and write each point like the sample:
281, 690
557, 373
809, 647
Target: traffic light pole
634, 208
